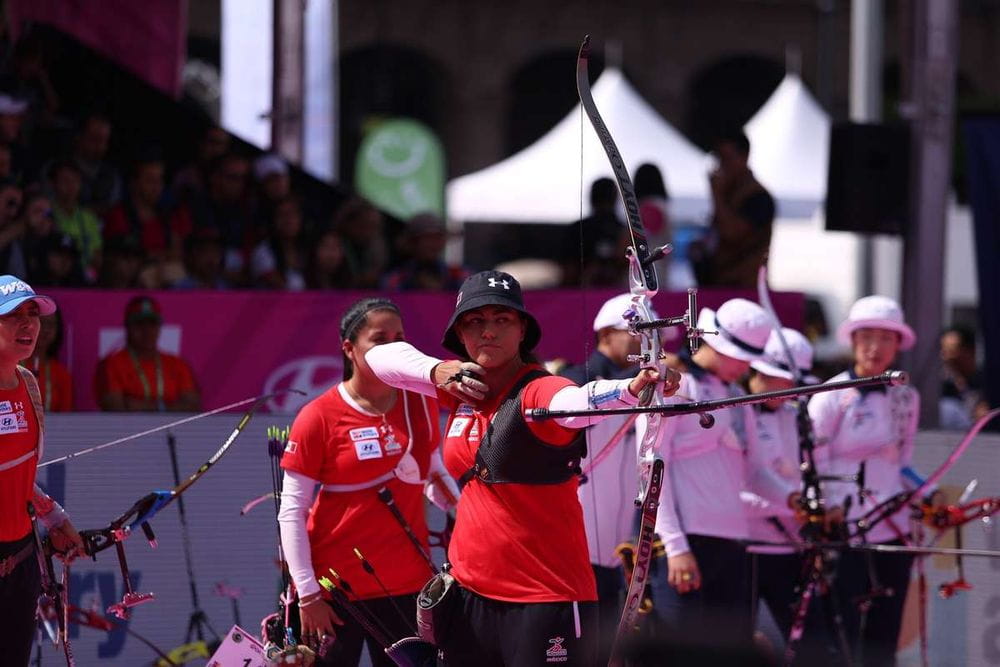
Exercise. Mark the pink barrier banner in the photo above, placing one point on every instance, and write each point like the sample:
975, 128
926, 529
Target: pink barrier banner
241, 343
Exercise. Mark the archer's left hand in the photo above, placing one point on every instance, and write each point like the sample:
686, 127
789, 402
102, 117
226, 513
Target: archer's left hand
670, 379
66, 542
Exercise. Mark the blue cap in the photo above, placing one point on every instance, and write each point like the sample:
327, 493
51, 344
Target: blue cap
14, 292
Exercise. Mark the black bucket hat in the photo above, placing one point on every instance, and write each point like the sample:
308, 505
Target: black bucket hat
490, 288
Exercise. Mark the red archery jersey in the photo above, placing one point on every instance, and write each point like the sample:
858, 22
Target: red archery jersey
333, 440
18, 438
516, 542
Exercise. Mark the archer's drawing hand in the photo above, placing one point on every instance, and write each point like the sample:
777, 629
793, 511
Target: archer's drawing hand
461, 379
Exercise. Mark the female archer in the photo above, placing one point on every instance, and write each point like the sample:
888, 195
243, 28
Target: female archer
519, 555
363, 442
21, 441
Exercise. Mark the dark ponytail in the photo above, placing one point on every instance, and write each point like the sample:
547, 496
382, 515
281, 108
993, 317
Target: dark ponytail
354, 320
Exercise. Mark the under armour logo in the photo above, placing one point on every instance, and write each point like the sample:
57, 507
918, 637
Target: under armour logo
494, 282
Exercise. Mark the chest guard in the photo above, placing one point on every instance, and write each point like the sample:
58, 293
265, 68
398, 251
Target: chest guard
510, 453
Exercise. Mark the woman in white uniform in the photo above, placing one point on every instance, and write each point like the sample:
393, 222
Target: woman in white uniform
874, 426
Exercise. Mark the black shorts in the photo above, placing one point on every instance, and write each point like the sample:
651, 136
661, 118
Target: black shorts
489, 632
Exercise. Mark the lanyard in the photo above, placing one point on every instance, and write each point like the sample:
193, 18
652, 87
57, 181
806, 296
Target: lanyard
145, 381
44, 371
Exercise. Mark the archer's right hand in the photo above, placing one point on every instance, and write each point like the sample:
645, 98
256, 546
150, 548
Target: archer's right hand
461, 379
683, 573
317, 618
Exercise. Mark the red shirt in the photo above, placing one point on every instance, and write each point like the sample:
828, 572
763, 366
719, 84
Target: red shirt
18, 437
335, 442
55, 385
116, 373
152, 231
516, 542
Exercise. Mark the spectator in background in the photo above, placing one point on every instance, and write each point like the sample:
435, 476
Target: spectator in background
360, 227
122, 265
651, 192
279, 262
55, 384
24, 163
36, 218
101, 185
426, 269
72, 218
12, 256
327, 267
203, 261
962, 400
273, 181
224, 208
140, 378
146, 222
743, 214
27, 77
595, 245
192, 180
60, 265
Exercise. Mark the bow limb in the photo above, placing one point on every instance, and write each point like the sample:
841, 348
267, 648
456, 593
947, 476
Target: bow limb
643, 285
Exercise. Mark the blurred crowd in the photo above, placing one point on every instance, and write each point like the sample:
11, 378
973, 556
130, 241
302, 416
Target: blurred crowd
71, 215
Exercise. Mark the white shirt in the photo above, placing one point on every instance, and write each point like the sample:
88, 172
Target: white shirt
608, 497
772, 473
875, 427
704, 467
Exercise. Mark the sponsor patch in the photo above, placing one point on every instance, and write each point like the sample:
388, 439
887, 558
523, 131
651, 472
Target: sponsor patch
474, 432
368, 449
557, 652
11, 424
464, 410
457, 427
365, 433
5, 406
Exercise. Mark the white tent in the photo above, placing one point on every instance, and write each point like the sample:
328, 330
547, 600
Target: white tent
542, 183
789, 146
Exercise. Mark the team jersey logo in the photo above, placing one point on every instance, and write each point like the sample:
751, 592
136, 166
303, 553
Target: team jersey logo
368, 449
474, 433
464, 410
457, 427
364, 433
557, 652
5, 407
291, 447
10, 423
389, 436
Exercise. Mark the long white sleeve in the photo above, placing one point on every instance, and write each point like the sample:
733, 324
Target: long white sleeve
297, 493
403, 366
437, 477
597, 394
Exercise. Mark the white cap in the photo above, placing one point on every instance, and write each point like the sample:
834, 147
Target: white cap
269, 165
612, 313
10, 106
775, 361
743, 328
876, 312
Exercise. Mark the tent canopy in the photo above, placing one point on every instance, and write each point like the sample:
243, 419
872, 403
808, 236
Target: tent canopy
542, 183
789, 147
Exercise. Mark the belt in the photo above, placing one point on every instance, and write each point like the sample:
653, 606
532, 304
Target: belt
8, 564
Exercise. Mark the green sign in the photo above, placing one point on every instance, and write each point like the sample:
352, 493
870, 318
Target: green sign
400, 169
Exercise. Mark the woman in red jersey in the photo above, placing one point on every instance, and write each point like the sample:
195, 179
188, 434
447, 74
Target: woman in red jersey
21, 440
357, 440
519, 551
